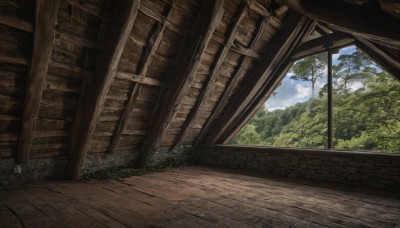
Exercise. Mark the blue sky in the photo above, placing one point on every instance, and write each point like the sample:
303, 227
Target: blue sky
293, 91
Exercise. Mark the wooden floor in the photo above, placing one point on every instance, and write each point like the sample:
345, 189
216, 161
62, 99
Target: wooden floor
197, 197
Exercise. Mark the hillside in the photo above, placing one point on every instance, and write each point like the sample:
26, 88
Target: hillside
365, 119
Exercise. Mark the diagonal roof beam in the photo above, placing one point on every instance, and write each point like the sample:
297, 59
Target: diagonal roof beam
381, 55
367, 20
45, 21
294, 29
93, 99
207, 19
246, 60
321, 44
254, 106
207, 91
154, 42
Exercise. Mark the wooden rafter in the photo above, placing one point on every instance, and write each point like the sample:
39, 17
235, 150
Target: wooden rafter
322, 44
209, 84
16, 23
321, 29
14, 59
94, 96
154, 43
207, 19
284, 43
163, 20
269, 86
381, 55
350, 18
232, 82
139, 79
45, 21
254, 106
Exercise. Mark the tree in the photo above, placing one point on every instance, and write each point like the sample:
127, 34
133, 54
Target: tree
309, 69
364, 119
351, 68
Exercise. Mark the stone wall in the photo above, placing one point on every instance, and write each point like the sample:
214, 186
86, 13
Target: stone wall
54, 167
37, 169
352, 168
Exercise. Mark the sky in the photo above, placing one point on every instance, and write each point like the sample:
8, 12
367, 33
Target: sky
293, 91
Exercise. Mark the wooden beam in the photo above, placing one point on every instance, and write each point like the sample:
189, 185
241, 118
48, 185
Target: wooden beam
251, 109
138, 79
90, 8
154, 43
268, 86
252, 91
255, 6
14, 59
209, 84
322, 44
367, 20
16, 23
45, 21
161, 19
208, 17
93, 98
381, 55
241, 69
322, 30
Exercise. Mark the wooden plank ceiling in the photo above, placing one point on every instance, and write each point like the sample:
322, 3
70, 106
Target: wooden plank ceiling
107, 76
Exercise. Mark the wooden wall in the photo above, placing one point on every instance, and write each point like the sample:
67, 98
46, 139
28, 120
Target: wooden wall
53, 102
109, 77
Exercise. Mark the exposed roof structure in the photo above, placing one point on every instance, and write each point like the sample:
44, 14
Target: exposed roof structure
104, 76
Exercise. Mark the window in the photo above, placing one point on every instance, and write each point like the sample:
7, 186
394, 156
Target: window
366, 106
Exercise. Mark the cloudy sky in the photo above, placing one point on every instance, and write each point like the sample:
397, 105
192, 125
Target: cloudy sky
293, 91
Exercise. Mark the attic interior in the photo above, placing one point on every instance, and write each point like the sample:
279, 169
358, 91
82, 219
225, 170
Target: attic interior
99, 84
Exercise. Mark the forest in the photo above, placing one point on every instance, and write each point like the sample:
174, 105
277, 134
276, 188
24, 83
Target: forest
365, 118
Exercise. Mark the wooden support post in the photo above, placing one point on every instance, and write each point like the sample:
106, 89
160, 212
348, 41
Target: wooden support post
92, 99
330, 101
356, 20
251, 93
382, 55
45, 21
209, 84
207, 19
154, 42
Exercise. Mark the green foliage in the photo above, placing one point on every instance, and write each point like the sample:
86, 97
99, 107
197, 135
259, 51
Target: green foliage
365, 119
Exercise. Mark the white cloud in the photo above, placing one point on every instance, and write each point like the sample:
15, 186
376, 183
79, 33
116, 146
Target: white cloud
355, 86
303, 91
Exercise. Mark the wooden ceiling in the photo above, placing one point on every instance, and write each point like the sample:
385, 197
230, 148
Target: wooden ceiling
105, 76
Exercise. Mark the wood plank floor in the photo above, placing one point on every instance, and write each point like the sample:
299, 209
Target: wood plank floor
197, 197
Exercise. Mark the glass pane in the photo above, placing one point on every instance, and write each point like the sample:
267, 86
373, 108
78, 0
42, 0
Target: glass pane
366, 104
295, 115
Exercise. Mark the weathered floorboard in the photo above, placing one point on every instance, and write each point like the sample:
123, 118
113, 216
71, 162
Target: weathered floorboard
198, 197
